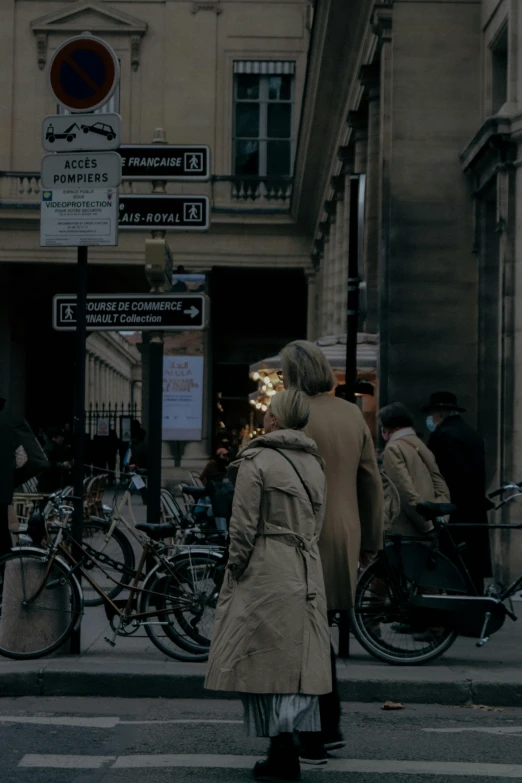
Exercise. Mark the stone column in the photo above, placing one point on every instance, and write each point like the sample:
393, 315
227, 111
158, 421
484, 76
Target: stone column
371, 80
97, 382
91, 387
358, 122
330, 286
343, 285
340, 219
325, 286
311, 322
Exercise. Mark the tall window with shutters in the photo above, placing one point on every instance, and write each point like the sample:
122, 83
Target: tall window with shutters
263, 143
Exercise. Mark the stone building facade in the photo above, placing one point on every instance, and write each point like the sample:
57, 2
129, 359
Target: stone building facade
229, 74
420, 105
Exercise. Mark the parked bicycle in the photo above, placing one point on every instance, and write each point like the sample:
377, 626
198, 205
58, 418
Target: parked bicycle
175, 604
414, 600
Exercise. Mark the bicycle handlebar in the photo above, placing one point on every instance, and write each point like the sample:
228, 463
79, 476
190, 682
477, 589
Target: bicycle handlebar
504, 488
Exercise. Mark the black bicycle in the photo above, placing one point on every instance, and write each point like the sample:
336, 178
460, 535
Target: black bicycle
417, 596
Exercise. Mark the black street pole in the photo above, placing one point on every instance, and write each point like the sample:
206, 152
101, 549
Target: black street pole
155, 428
79, 414
352, 307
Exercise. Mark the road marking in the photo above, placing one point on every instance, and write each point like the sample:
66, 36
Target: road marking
65, 762
86, 723
516, 731
203, 761
101, 723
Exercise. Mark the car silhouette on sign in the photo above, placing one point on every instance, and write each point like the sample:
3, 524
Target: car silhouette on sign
101, 128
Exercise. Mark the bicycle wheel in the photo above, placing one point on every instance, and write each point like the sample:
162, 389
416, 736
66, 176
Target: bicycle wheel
382, 626
195, 576
113, 562
39, 605
184, 597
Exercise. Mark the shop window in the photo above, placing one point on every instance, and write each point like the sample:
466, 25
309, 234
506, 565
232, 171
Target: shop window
499, 71
263, 119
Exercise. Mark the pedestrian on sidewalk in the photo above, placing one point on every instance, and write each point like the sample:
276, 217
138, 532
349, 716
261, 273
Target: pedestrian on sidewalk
271, 636
412, 469
354, 521
58, 473
460, 454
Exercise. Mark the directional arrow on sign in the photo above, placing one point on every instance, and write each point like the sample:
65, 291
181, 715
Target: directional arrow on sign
193, 312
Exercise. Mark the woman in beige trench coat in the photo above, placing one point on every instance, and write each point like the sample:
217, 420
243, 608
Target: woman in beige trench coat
353, 527
271, 637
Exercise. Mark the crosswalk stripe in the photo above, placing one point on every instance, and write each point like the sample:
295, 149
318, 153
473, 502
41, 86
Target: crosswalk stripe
105, 722
214, 761
65, 762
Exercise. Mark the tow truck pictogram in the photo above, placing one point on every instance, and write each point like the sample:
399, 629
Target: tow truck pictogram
69, 133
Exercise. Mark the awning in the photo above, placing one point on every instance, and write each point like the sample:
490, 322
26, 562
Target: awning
334, 348
265, 67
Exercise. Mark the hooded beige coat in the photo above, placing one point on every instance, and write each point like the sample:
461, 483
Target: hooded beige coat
271, 630
354, 518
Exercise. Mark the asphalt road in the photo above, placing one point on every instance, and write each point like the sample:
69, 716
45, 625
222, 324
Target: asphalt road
66, 740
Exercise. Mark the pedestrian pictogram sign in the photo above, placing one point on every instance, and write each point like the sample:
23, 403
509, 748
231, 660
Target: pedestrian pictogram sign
135, 312
83, 73
188, 213
165, 161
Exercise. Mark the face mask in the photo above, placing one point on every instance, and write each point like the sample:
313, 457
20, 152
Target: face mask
430, 424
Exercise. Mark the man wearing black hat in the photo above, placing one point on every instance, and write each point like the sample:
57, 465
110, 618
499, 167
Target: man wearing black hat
460, 455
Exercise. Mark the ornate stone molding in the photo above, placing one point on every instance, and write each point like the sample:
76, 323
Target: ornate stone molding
98, 19
381, 21
216, 7
135, 51
41, 49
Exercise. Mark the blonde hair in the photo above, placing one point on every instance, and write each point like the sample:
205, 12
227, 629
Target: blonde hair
291, 409
306, 368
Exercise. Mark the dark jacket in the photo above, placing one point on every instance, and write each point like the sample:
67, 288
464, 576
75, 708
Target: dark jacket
9, 442
460, 454
53, 478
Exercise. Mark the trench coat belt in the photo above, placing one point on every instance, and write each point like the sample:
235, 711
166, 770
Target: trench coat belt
305, 548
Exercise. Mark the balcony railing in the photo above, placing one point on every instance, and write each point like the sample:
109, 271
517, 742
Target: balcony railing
269, 190
21, 189
18, 188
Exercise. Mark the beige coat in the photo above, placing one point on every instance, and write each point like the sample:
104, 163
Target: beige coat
411, 467
354, 518
271, 630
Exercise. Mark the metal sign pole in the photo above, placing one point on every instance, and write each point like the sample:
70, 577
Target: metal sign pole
79, 415
155, 435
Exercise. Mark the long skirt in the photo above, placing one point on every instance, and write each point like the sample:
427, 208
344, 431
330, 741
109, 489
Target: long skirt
270, 714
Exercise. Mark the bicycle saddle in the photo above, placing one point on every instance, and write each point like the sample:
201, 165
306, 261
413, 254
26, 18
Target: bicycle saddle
433, 510
156, 531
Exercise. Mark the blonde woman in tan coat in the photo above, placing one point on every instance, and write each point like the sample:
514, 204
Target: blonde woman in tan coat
354, 521
271, 636
412, 469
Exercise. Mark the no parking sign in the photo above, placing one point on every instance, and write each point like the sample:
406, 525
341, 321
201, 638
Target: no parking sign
83, 73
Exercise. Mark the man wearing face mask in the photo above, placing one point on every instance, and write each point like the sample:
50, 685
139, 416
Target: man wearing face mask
460, 454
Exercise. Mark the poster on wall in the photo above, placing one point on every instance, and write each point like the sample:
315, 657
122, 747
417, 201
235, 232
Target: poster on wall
182, 397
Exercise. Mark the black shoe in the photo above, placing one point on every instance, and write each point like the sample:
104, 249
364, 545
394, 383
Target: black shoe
333, 741
282, 762
311, 748
272, 771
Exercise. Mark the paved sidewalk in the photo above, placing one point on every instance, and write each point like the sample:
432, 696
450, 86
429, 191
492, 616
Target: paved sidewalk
135, 668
